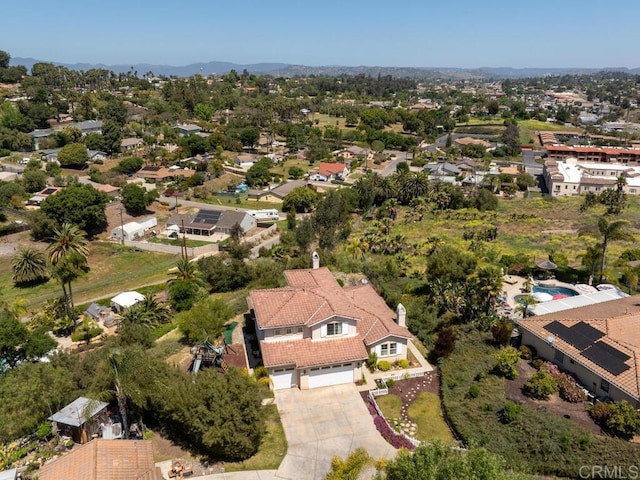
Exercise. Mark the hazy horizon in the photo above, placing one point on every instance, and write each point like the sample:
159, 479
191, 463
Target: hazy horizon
465, 34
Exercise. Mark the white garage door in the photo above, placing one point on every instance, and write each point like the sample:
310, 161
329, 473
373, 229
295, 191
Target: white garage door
283, 378
334, 375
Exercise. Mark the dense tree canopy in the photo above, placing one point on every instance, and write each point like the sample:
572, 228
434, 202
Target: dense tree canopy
73, 155
78, 204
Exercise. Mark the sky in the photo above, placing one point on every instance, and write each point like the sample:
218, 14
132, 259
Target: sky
403, 33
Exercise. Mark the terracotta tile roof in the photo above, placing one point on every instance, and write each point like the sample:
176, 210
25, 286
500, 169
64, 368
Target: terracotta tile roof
105, 460
618, 319
331, 168
313, 295
309, 353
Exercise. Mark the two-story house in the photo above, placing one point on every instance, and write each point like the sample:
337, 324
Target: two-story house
315, 333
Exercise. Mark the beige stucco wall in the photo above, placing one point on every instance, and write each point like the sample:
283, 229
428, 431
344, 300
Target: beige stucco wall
402, 349
349, 328
303, 375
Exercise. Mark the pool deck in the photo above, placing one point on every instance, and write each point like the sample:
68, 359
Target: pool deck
513, 285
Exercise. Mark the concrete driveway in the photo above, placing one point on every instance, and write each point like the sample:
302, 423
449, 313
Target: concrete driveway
322, 423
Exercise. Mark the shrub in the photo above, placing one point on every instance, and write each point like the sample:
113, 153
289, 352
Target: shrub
540, 385
480, 375
506, 360
600, 413
403, 363
623, 421
390, 382
510, 412
445, 343
473, 392
525, 352
261, 372
501, 332
384, 366
569, 390
372, 361
44, 430
85, 334
537, 363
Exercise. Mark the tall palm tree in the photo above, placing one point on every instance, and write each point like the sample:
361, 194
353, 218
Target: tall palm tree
66, 270
188, 271
358, 248
28, 265
591, 258
489, 284
68, 238
148, 312
610, 232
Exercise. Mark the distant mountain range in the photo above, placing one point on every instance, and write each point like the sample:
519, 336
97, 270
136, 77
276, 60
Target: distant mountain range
288, 70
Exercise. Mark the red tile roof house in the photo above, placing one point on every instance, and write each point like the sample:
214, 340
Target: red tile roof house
330, 171
315, 333
599, 344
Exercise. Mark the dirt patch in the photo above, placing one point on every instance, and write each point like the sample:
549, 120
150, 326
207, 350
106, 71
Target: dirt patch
555, 405
164, 449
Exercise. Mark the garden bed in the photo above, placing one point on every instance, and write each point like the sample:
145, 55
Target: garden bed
576, 412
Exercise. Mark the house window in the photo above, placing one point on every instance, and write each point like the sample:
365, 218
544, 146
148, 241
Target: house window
604, 385
334, 328
288, 331
300, 329
390, 348
277, 331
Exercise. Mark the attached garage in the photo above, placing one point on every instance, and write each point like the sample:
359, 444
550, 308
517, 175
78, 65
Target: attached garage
282, 378
331, 375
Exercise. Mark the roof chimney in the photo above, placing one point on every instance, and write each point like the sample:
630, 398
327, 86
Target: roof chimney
315, 258
402, 315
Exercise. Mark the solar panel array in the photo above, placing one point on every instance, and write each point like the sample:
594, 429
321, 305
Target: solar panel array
609, 358
585, 338
208, 217
49, 191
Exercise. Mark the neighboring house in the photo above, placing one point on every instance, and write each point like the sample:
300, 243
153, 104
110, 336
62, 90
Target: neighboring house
599, 344
185, 129
80, 420
330, 171
42, 195
161, 174
131, 143
230, 218
354, 151
52, 155
576, 177
88, 126
125, 300
209, 221
245, 160
110, 190
284, 189
442, 169
315, 333
105, 459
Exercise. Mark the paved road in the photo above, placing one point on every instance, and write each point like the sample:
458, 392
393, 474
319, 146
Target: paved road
391, 167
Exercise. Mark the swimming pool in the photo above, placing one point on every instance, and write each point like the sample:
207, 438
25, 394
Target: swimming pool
555, 290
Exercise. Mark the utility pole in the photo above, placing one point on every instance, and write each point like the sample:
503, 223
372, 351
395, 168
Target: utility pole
121, 228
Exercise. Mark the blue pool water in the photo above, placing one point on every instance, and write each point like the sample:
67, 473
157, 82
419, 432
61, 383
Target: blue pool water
555, 290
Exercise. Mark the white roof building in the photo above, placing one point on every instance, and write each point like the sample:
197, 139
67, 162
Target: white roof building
125, 300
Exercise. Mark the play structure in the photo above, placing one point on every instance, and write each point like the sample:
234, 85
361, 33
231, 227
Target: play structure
207, 354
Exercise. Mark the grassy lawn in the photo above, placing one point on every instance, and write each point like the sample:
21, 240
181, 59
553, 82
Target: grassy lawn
325, 119
283, 167
389, 405
176, 242
528, 127
272, 449
427, 414
113, 269
482, 121
241, 201
223, 181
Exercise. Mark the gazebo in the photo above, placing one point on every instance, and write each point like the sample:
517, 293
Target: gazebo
81, 419
546, 266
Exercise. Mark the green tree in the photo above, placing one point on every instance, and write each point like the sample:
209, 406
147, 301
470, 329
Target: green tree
34, 180
609, 231
351, 467
525, 180
296, 172
300, 199
13, 334
136, 199
67, 239
129, 165
541, 385
203, 111
205, 319
28, 265
231, 425
111, 136
73, 155
149, 312
80, 205
259, 173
